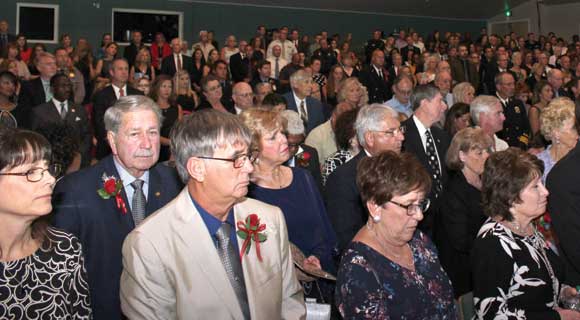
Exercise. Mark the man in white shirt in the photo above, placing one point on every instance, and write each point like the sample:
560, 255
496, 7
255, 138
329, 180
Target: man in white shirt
286, 46
243, 96
204, 44
277, 62
487, 113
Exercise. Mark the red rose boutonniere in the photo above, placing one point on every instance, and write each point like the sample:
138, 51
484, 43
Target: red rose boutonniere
112, 188
251, 231
303, 158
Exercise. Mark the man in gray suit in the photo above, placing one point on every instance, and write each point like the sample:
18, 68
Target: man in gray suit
184, 262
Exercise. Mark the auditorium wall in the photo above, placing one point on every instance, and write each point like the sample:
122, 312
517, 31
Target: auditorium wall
91, 18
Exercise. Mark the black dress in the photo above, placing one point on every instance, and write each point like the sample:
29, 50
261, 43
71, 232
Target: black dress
511, 275
459, 220
49, 284
187, 103
170, 116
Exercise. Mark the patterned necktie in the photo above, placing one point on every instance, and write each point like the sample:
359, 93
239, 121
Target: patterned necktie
62, 110
433, 163
121, 92
233, 266
303, 114
138, 203
276, 69
179, 65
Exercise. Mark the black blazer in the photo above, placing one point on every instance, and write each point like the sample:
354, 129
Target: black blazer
314, 109
239, 68
414, 145
460, 218
313, 165
516, 127
344, 206
564, 206
31, 95
76, 117
405, 51
101, 227
102, 101
169, 68
379, 89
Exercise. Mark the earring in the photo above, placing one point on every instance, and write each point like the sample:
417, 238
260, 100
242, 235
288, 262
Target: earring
376, 219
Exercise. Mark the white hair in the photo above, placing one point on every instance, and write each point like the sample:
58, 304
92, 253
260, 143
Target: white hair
370, 118
294, 125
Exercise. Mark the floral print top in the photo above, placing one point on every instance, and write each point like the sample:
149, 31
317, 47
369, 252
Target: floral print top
511, 277
370, 286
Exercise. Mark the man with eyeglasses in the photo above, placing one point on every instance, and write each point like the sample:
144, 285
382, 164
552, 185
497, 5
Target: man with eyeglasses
378, 129
102, 204
428, 143
402, 89
243, 96
211, 253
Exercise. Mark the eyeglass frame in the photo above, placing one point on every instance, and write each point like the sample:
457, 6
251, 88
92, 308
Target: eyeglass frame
56, 172
252, 156
411, 212
392, 132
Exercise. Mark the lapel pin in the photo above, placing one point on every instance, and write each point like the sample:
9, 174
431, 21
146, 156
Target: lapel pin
157, 194
72, 110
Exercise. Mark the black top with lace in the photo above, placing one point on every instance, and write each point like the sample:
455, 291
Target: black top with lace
49, 284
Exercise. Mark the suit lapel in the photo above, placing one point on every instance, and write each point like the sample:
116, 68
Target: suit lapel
126, 219
413, 142
192, 231
53, 112
154, 192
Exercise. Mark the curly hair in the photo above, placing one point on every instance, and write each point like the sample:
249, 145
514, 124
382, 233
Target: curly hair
382, 177
506, 173
64, 142
553, 117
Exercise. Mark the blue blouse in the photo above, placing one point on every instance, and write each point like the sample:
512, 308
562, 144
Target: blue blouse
308, 225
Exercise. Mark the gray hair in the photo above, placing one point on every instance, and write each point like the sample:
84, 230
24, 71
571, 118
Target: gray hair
259, 85
460, 91
423, 92
370, 118
482, 103
300, 75
294, 124
201, 133
114, 114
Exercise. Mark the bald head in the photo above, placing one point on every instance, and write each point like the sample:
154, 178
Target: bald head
555, 78
242, 95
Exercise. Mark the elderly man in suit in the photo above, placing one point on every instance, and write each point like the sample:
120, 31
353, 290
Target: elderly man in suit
61, 109
189, 260
102, 204
428, 142
376, 78
378, 129
106, 98
37, 91
177, 61
299, 100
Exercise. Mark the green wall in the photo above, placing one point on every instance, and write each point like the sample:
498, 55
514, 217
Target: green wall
82, 18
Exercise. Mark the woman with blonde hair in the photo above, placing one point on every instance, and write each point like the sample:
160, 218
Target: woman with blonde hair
185, 96
352, 92
142, 67
463, 92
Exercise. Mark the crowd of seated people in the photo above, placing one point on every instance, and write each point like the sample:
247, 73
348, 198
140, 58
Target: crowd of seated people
390, 179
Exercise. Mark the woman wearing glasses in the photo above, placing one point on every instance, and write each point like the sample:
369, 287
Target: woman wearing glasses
390, 270
42, 273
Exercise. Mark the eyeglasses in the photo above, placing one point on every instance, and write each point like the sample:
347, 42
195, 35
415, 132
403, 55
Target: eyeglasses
393, 132
245, 95
412, 208
36, 174
239, 160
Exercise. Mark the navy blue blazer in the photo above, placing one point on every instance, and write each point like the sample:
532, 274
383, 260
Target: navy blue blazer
313, 107
102, 228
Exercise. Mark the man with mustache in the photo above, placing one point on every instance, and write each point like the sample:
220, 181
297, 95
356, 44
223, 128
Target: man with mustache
102, 204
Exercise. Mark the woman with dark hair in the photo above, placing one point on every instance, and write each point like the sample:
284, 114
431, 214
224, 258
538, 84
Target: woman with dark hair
212, 57
42, 272
65, 146
335, 77
346, 142
66, 43
36, 50
461, 215
25, 51
275, 102
543, 94
197, 74
390, 270
10, 115
515, 275
106, 63
258, 53
457, 118
12, 53
105, 40
162, 94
